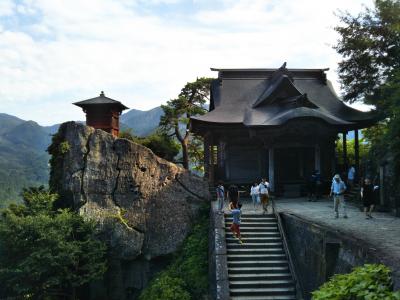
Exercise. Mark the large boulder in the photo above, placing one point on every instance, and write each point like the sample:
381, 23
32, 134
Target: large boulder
143, 204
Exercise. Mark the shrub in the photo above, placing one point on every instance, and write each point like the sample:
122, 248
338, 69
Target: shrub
370, 282
189, 268
165, 287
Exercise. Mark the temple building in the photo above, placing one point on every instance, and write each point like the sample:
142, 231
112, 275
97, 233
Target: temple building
275, 123
102, 113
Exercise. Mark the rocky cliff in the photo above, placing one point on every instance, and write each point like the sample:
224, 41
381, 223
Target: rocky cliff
143, 204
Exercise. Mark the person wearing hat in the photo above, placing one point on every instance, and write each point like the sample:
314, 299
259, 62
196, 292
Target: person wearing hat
337, 191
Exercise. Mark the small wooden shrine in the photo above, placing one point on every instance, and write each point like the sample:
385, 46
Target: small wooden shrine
102, 113
275, 123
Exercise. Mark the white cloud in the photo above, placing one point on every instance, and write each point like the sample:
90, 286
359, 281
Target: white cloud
6, 7
74, 49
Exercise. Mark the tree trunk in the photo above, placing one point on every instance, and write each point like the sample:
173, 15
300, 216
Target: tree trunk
185, 154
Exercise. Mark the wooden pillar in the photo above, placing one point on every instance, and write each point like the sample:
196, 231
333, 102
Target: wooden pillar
221, 160
207, 157
317, 156
356, 154
345, 151
271, 168
212, 162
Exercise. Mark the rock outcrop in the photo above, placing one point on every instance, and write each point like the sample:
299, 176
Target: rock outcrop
143, 204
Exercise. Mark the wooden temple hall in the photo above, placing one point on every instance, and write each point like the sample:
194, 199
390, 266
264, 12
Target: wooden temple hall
275, 123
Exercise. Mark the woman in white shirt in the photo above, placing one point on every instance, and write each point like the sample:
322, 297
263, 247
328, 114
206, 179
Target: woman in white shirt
255, 194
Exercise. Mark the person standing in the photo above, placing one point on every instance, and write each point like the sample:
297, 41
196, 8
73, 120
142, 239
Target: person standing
337, 191
220, 197
367, 196
235, 227
233, 196
264, 195
254, 193
350, 176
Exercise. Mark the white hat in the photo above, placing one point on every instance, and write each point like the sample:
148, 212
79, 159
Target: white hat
337, 176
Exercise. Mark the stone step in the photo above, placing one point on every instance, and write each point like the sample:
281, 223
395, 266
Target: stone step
259, 275
257, 263
235, 245
244, 257
281, 297
252, 270
254, 224
254, 234
261, 283
256, 251
262, 291
262, 218
254, 239
256, 229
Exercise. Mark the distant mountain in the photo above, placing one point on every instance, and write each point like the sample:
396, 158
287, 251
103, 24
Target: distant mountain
23, 160
142, 122
7, 122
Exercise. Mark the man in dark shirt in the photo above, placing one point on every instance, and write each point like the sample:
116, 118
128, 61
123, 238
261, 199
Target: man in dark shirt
233, 195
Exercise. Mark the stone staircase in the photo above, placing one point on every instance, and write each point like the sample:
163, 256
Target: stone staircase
353, 194
258, 269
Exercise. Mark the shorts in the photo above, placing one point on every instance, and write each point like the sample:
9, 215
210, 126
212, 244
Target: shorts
236, 229
264, 199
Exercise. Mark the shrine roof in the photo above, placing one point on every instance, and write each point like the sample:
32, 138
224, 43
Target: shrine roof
272, 97
100, 100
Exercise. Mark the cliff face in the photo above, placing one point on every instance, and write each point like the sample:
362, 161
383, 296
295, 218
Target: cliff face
143, 204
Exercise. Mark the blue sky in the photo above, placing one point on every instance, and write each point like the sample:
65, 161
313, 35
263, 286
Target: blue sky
142, 52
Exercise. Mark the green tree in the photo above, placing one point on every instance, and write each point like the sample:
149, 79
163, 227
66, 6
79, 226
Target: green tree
370, 70
46, 253
370, 46
363, 150
177, 112
196, 153
159, 142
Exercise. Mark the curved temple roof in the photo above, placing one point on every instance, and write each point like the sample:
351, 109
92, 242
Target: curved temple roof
100, 100
272, 97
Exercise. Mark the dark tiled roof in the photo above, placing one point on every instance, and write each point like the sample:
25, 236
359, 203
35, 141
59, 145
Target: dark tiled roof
271, 97
102, 99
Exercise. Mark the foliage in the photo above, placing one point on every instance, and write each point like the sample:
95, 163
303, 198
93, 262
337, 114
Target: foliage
362, 146
370, 72
64, 147
196, 153
370, 282
159, 142
129, 135
190, 102
189, 267
46, 253
166, 287
370, 46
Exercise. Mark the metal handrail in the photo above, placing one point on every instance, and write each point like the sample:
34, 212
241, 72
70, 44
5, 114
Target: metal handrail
292, 268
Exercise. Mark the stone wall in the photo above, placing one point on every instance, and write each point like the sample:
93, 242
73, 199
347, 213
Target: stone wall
144, 205
320, 252
218, 261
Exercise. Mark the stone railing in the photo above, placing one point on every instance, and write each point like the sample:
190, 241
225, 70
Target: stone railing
218, 265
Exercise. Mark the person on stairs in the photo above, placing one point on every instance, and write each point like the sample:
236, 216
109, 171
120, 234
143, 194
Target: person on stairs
255, 194
351, 176
235, 227
264, 195
233, 196
220, 197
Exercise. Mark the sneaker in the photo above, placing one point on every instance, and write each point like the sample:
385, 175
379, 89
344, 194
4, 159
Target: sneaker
240, 241
345, 216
